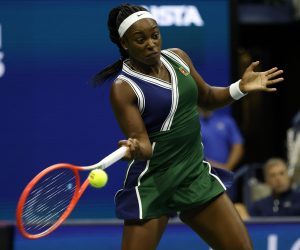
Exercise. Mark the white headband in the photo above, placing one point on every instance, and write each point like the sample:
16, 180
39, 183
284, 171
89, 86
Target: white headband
132, 19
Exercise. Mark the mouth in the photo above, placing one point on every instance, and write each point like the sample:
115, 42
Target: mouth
153, 54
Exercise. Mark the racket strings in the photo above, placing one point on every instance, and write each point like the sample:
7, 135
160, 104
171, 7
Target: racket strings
48, 200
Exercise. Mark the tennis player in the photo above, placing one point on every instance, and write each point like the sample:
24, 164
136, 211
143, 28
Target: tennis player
155, 96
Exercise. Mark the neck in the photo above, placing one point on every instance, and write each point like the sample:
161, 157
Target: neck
153, 70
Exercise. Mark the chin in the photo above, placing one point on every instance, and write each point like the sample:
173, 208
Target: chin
152, 60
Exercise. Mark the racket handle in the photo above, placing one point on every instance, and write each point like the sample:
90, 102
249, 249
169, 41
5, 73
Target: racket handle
112, 158
108, 160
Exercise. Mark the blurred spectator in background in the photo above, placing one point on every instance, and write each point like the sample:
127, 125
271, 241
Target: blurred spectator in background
223, 142
293, 149
283, 200
296, 9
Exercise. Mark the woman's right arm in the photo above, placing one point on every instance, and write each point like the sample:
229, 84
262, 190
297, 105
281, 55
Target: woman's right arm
124, 104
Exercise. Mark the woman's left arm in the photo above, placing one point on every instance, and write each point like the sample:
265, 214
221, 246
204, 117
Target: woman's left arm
212, 97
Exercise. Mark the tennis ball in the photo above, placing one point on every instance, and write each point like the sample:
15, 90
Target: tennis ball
97, 178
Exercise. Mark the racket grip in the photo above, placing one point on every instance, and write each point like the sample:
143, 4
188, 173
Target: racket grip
113, 157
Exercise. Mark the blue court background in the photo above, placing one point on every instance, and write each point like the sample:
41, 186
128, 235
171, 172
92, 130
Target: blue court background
49, 111
280, 235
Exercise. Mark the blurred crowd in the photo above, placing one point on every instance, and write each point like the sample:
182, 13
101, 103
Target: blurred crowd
270, 188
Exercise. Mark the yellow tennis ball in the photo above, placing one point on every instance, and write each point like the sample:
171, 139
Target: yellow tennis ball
97, 178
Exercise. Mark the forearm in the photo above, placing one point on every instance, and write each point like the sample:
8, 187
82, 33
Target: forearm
235, 156
215, 97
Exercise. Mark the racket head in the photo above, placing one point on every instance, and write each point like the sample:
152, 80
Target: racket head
47, 200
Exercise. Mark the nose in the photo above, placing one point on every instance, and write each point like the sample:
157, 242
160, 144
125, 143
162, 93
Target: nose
151, 43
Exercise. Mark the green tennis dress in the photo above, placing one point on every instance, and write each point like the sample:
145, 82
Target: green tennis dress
176, 178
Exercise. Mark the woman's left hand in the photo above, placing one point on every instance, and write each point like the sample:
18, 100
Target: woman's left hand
259, 81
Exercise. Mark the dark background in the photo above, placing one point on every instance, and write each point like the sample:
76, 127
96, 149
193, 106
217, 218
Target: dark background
269, 32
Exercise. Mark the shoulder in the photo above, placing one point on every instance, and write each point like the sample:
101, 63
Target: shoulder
179, 56
179, 52
121, 91
119, 83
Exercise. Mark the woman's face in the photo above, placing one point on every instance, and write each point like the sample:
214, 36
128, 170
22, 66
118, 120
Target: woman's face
143, 42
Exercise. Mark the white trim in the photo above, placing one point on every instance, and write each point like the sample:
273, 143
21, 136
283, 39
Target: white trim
174, 86
138, 92
151, 79
128, 172
139, 202
176, 58
175, 97
117, 194
139, 183
124, 181
219, 180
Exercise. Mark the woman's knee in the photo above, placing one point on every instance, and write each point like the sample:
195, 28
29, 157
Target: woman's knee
220, 232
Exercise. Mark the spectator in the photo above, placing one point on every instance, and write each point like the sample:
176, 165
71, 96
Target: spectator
283, 201
222, 140
293, 149
223, 143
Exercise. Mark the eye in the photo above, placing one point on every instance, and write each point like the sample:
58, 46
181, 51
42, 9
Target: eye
155, 35
140, 40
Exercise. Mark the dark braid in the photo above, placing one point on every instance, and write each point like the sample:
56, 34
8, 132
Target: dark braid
116, 16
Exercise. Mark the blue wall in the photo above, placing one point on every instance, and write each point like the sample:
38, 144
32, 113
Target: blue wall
280, 235
49, 113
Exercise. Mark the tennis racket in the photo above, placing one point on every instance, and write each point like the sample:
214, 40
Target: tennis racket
49, 198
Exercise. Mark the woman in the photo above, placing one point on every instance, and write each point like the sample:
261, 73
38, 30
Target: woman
155, 99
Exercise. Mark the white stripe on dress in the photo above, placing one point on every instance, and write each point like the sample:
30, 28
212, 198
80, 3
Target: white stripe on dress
128, 171
175, 57
139, 183
147, 78
219, 180
175, 97
124, 181
139, 93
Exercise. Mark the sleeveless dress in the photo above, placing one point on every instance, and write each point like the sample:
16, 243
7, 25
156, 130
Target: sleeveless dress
176, 177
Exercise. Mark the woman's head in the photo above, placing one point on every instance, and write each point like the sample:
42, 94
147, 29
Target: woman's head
116, 16
134, 30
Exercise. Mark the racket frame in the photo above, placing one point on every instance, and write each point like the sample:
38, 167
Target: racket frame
79, 190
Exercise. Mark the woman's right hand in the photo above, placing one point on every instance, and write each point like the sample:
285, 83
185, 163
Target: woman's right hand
133, 146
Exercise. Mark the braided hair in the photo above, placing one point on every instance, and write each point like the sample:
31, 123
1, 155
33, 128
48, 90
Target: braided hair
116, 16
